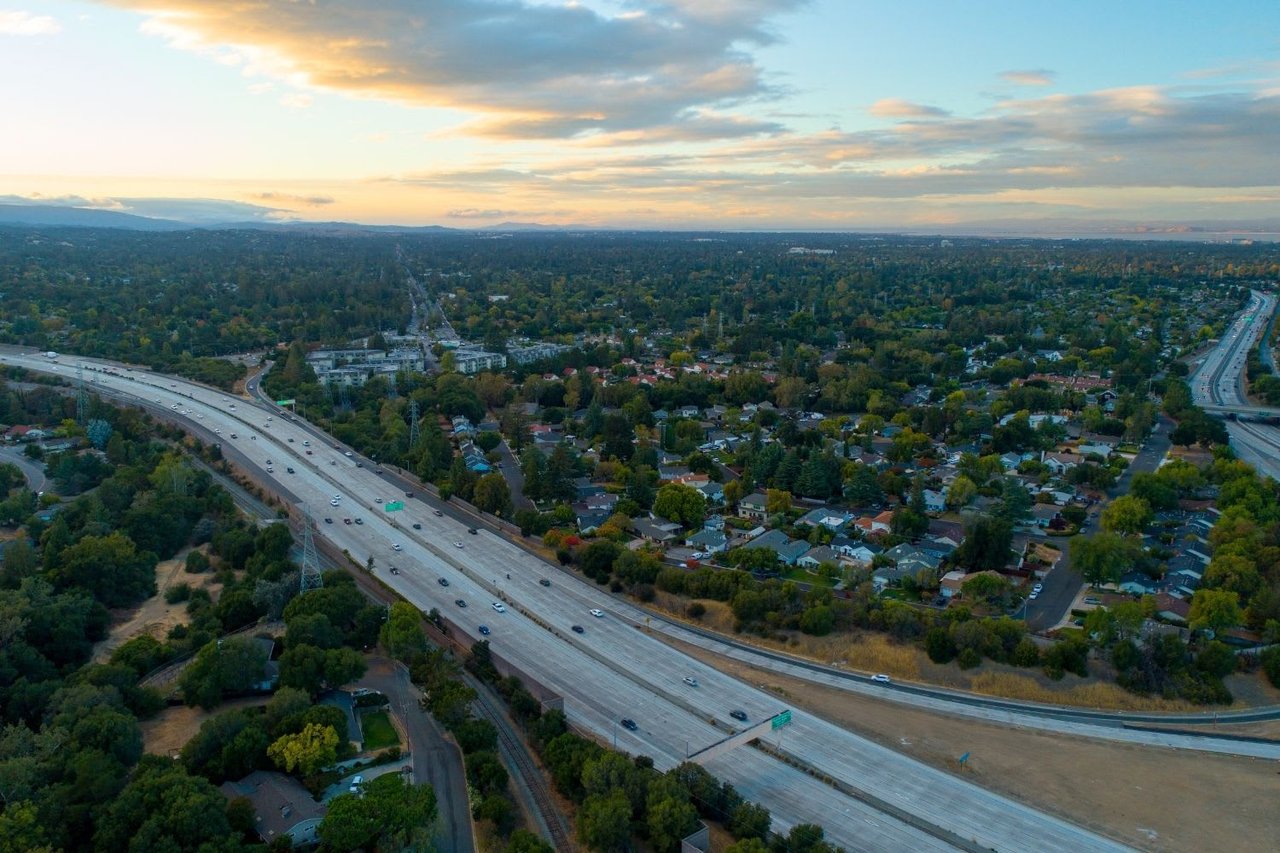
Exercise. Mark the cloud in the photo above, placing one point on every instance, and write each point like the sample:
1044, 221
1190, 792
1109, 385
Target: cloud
61, 201
529, 68
18, 23
473, 213
295, 100
289, 198
898, 108
199, 211
1029, 77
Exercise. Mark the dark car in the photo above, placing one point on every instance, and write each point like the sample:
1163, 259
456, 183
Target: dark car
443, 581
290, 470
545, 582
629, 724
394, 570
359, 521
484, 629
577, 629
328, 521
408, 494
417, 526
460, 602
471, 530
738, 715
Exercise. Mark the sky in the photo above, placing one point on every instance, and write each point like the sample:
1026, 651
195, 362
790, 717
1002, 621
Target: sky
684, 114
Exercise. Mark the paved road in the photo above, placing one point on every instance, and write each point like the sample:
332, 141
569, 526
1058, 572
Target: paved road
612, 670
514, 475
1063, 584
32, 470
436, 761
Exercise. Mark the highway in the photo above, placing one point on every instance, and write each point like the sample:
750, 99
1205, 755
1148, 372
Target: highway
1218, 385
610, 670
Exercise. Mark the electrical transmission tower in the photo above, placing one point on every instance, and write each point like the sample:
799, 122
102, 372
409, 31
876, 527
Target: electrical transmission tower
82, 397
413, 422
310, 565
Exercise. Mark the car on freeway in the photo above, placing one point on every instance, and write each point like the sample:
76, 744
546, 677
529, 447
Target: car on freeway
377, 500
394, 570
308, 452
457, 544
328, 520
289, 469
459, 602
346, 521
599, 614
629, 724
347, 454
442, 581
738, 715
880, 678
578, 629
408, 494
471, 530
497, 606
306, 442
690, 680
396, 547
484, 629
417, 526
359, 521
544, 582
438, 513
233, 435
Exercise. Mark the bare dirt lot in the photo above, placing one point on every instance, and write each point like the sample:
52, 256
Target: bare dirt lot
167, 732
155, 616
1149, 798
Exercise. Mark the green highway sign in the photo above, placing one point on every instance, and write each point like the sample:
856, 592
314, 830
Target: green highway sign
393, 506
781, 720
283, 403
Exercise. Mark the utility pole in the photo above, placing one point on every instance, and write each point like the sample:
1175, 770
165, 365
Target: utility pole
310, 578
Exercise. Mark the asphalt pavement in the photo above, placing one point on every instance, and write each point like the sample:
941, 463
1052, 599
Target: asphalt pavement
436, 760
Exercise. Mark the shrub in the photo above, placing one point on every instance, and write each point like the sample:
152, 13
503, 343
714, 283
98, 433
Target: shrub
969, 658
696, 610
177, 593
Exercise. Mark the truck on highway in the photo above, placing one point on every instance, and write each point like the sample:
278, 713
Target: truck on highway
51, 355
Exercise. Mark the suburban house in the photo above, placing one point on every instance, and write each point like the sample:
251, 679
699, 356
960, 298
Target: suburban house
283, 807
870, 525
855, 549
787, 550
657, 530
832, 519
934, 501
710, 541
753, 507
1060, 463
815, 557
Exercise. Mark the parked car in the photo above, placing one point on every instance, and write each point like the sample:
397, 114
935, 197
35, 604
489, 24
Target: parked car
356, 783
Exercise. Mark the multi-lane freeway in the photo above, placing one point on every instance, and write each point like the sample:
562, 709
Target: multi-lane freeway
609, 669
1218, 385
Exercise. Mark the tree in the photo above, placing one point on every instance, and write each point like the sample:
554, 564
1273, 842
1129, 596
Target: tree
1126, 514
163, 808
990, 589
960, 492
777, 501
110, 568
307, 752
492, 494
401, 634
681, 503
986, 544
1103, 557
670, 819
1214, 610
604, 821
222, 666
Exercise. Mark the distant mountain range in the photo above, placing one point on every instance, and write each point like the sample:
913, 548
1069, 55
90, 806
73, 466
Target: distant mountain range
51, 215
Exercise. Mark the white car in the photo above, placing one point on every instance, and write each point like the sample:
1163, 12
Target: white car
396, 547
498, 606
457, 544
356, 783
880, 678
691, 681
599, 614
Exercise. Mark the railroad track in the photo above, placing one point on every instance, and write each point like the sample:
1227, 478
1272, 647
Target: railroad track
530, 776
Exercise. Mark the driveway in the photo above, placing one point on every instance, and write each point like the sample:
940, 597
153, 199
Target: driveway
436, 760
514, 476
